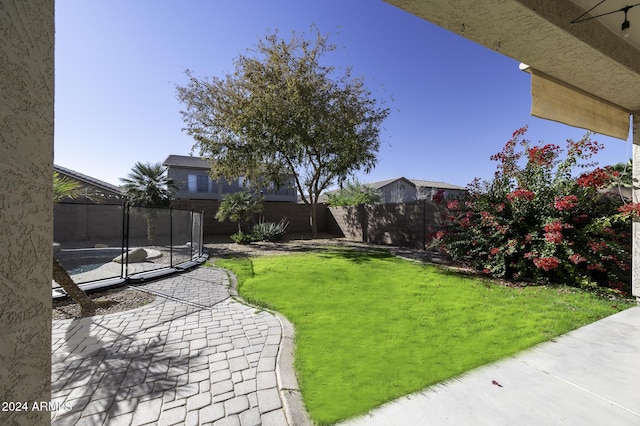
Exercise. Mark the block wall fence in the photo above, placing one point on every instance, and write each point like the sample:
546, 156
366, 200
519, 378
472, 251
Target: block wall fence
298, 216
400, 224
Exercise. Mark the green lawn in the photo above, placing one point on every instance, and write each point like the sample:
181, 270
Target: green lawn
371, 327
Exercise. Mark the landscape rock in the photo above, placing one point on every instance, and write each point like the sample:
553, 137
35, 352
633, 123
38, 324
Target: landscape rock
134, 256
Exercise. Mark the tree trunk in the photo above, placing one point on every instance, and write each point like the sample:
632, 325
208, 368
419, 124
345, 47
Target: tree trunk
87, 306
314, 219
152, 225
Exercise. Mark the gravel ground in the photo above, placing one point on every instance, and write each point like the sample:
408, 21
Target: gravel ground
107, 302
297, 244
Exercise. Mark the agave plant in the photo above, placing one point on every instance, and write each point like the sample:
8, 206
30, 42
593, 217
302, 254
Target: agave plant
269, 231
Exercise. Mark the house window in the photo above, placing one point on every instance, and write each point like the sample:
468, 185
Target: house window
203, 183
192, 183
198, 183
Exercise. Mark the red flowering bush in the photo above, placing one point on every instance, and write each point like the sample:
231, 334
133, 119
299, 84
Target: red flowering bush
521, 194
598, 178
565, 202
544, 156
630, 210
438, 197
540, 221
546, 263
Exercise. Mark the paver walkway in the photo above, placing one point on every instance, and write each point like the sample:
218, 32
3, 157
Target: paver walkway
194, 356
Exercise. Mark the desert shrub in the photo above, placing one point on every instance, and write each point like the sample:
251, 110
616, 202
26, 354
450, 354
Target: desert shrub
269, 231
242, 238
539, 221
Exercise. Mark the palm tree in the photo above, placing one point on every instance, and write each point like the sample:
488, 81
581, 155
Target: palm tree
64, 187
147, 185
238, 207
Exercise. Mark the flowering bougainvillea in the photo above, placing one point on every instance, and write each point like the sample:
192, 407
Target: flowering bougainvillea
565, 202
541, 220
521, 194
546, 263
598, 178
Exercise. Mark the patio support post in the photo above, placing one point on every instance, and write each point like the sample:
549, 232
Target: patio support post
635, 257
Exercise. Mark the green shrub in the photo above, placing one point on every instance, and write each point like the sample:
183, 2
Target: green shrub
242, 238
353, 194
269, 231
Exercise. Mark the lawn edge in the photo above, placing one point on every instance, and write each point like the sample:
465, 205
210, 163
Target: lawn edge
288, 387
290, 394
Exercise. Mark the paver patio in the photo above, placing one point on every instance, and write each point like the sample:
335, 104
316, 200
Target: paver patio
194, 356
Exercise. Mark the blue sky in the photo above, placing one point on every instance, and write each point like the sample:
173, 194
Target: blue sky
453, 103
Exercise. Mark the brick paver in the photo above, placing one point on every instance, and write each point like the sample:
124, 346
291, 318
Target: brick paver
193, 356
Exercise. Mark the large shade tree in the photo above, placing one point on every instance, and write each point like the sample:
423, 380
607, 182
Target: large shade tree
283, 112
147, 185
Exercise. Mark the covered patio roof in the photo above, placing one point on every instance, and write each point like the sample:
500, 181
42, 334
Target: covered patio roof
591, 56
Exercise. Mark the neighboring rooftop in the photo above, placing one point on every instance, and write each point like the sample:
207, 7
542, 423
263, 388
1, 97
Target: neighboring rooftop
88, 179
187, 161
437, 184
418, 183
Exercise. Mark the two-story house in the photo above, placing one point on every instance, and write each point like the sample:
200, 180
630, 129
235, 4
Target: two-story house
191, 175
